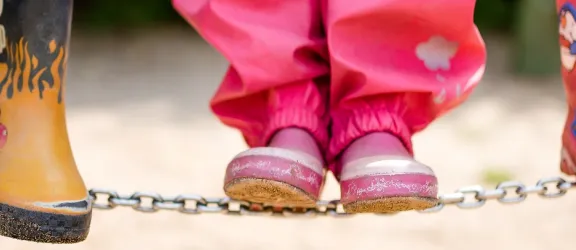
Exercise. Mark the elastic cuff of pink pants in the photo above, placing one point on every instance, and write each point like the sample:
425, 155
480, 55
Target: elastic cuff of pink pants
297, 118
351, 125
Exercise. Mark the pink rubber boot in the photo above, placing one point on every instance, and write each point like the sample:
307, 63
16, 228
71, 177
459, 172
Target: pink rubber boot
379, 175
290, 172
277, 53
396, 66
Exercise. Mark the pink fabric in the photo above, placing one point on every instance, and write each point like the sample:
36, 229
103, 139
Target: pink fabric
282, 53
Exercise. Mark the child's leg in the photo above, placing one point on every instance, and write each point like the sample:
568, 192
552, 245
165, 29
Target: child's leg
42, 195
396, 66
276, 50
567, 33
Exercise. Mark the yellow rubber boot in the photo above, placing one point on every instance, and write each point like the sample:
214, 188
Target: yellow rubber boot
42, 195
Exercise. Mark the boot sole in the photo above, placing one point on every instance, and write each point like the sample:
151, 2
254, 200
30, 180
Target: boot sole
43, 227
390, 205
259, 190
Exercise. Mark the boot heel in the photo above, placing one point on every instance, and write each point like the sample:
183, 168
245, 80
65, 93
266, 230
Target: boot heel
46, 227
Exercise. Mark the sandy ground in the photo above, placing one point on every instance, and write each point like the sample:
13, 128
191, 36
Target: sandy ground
139, 120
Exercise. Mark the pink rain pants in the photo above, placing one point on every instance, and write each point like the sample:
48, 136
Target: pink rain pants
339, 68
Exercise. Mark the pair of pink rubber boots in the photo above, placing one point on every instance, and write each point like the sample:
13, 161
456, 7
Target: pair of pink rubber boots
376, 174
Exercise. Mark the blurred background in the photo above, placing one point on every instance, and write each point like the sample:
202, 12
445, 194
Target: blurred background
139, 82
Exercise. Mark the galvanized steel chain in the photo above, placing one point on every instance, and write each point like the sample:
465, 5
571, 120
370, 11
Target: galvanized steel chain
508, 192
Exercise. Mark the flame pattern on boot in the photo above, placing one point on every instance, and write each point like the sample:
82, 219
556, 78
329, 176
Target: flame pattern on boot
24, 72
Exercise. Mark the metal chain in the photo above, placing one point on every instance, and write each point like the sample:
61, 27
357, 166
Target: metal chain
508, 192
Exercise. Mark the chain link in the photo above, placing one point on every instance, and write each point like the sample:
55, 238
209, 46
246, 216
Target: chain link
508, 192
